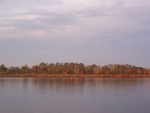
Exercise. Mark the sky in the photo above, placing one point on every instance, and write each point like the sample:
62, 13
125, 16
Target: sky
90, 31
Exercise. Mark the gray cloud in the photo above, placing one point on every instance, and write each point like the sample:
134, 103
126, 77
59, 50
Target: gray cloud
115, 18
98, 31
37, 20
119, 20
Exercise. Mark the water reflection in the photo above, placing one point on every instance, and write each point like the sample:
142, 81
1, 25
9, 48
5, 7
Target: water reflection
75, 82
76, 95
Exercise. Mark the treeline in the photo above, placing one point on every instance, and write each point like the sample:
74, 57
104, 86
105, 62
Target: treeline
75, 68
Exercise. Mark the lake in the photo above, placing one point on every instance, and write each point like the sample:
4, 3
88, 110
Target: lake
76, 95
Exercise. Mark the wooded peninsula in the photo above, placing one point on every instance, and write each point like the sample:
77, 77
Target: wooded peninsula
75, 69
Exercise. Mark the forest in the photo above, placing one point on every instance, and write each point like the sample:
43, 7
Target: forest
76, 69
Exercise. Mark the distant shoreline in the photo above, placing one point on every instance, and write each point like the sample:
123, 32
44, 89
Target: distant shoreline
70, 75
75, 69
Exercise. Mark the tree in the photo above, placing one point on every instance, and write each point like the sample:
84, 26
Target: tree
34, 69
25, 69
3, 68
43, 68
13, 70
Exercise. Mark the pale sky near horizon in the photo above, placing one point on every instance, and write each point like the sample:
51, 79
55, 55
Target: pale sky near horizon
89, 31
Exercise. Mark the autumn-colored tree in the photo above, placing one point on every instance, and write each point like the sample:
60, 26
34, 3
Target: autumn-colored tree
3, 68
25, 69
43, 68
76, 68
34, 69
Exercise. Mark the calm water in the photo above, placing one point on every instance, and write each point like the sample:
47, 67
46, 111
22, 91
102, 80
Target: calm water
77, 95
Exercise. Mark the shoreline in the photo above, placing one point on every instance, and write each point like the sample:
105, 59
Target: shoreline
70, 75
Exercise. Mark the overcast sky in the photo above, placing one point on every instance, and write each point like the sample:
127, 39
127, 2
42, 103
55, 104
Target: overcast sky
89, 31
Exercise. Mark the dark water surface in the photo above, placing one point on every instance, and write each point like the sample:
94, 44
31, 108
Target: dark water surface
76, 95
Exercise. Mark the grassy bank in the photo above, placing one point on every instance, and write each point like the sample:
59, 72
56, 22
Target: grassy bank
70, 75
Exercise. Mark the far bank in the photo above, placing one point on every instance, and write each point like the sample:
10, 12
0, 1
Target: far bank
70, 75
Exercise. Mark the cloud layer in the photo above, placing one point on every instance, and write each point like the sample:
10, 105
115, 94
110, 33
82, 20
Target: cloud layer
101, 28
85, 18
